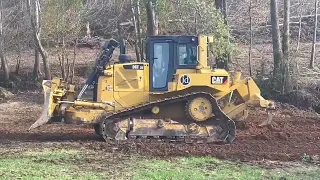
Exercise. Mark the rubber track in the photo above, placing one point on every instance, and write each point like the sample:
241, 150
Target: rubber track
126, 113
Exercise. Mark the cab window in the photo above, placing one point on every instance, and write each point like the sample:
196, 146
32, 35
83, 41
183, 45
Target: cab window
187, 54
160, 65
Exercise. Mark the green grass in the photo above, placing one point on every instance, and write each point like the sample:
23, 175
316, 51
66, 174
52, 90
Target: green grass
211, 168
44, 164
74, 164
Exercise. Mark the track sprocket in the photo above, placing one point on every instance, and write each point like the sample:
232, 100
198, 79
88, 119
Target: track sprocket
198, 109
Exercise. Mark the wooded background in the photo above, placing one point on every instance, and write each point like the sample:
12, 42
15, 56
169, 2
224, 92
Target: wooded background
263, 39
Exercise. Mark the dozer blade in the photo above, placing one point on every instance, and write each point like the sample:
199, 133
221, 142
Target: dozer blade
45, 115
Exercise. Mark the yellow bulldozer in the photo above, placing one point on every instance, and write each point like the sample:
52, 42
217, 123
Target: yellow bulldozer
173, 95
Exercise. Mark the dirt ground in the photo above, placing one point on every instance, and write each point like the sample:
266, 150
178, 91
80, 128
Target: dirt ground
294, 134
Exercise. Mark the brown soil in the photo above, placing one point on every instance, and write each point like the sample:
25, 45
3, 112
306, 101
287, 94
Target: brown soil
292, 134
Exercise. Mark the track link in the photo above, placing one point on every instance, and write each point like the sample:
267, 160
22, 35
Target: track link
225, 124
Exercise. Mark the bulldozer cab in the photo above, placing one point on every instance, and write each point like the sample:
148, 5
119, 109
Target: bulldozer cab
167, 54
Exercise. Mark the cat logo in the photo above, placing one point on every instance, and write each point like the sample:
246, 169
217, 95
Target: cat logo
219, 79
137, 67
185, 80
134, 67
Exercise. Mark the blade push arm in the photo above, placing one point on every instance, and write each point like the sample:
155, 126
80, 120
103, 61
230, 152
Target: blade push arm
101, 62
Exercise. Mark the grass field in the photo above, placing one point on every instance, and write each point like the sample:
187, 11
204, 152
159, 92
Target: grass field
76, 164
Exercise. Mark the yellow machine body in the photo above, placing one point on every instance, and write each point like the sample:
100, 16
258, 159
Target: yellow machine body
128, 89
123, 86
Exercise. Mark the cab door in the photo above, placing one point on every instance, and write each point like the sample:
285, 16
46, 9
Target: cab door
160, 54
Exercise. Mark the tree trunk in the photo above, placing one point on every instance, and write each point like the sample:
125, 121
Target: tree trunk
152, 26
277, 56
18, 46
36, 29
18, 58
4, 64
73, 61
251, 39
135, 4
62, 58
313, 52
36, 66
219, 4
138, 19
224, 12
222, 6
285, 48
300, 26
299, 32
136, 43
286, 29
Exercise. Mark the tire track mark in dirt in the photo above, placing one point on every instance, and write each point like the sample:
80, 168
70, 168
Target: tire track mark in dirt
291, 135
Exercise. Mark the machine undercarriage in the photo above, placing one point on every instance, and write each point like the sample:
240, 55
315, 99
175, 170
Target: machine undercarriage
197, 123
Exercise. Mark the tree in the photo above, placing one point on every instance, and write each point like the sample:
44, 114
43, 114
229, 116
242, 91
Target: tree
152, 26
313, 52
251, 38
286, 29
62, 25
277, 55
137, 27
300, 25
4, 63
285, 69
221, 5
33, 9
36, 67
19, 40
